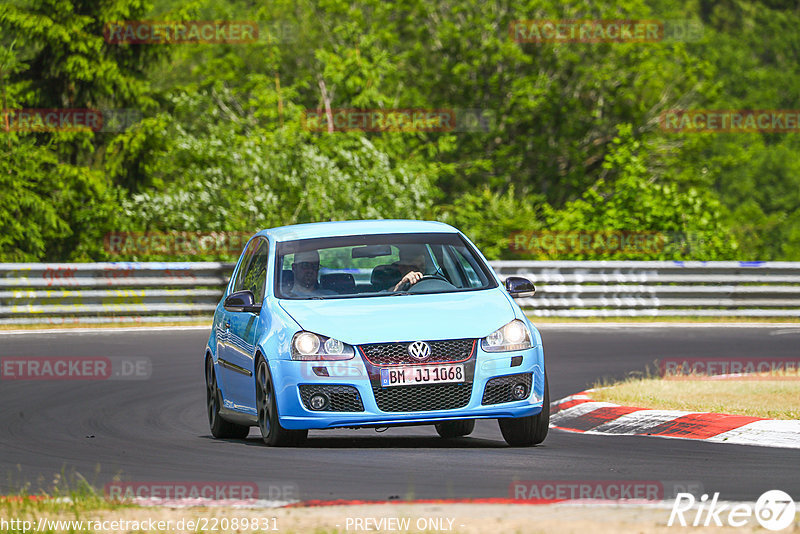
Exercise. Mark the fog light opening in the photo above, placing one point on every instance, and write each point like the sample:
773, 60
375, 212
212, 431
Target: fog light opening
318, 401
519, 391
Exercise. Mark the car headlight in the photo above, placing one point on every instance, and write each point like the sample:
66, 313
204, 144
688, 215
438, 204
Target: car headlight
513, 336
310, 346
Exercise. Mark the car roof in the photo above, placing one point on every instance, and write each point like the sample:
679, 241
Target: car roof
343, 228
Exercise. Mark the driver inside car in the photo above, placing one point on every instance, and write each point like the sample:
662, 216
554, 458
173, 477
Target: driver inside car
305, 269
411, 266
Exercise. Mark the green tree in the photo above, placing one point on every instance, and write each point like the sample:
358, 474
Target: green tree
236, 176
628, 198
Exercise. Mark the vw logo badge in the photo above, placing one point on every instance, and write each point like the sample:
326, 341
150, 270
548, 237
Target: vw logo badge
419, 350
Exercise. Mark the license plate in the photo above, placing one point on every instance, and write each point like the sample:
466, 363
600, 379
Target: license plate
422, 374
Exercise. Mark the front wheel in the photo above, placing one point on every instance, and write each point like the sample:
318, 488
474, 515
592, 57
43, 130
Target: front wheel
531, 430
272, 432
220, 428
455, 429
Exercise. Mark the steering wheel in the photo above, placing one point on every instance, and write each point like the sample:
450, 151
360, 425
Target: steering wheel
407, 285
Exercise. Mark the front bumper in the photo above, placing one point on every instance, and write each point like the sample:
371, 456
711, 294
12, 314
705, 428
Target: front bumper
289, 375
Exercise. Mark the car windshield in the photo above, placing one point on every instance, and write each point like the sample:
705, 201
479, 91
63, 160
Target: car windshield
378, 265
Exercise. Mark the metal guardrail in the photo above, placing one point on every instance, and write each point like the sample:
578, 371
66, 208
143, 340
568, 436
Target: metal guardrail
659, 288
60, 293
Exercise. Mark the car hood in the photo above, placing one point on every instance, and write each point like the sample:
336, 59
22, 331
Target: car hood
469, 314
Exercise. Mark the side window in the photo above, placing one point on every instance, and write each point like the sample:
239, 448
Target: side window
247, 255
255, 278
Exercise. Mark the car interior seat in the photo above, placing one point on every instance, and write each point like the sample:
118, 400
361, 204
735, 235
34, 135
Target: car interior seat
385, 276
287, 279
342, 283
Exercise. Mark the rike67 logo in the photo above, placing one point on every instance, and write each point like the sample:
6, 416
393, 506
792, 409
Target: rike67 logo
774, 510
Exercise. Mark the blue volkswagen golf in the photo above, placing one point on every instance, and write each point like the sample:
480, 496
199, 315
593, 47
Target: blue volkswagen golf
372, 324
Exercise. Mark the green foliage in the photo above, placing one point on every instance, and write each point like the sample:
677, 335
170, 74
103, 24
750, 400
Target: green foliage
488, 218
26, 217
627, 198
235, 176
69, 63
574, 143
55, 203
49, 210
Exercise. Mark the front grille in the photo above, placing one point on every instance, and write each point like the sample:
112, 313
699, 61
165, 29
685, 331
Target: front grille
499, 389
342, 398
422, 398
447, 351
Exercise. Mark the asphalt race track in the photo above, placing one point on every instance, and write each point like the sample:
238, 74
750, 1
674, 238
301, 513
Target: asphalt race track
156, 429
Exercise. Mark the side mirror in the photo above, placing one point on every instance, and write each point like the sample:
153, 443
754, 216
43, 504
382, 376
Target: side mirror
519, 287
241, 301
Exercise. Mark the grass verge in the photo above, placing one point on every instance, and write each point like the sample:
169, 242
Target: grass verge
71, 497
773, 399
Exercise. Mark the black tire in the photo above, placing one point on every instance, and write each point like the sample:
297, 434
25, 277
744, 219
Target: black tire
531, 430
272, 432
455, 429
220, 428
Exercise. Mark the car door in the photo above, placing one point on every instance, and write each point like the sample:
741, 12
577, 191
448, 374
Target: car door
242, 333
225, 348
